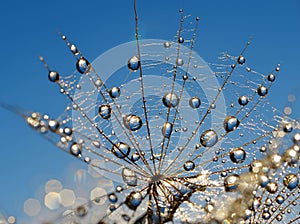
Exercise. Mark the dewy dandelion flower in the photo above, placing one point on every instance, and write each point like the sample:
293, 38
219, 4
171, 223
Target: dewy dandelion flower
168, 137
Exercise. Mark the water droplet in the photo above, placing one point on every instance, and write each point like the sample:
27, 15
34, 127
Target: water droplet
112, 198
241, 60
272, 187
208, 138
287, 127
230, 123
53, 125
114, 92
75, 149
271, 77
135, 157
180, 40
134, 63
68, 131
129, 177
105, 111
132, 122
189, 165
237, 155
121, 150
170, 100
53, 76
133, 200
279, 199
167, 129
243, 100
231, 182
73, 49
266, 215
195, 102
167, 44
83, 66
179, 62
119, 189
291, 181
262, 91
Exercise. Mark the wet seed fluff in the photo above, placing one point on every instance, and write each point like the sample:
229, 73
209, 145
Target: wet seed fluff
171, 138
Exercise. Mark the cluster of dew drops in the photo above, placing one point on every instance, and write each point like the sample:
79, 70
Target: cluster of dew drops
244, 171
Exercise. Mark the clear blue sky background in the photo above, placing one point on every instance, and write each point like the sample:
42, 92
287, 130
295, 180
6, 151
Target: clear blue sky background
29, 29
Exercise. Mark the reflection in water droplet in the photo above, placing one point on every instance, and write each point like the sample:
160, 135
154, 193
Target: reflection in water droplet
105, 111
167, 44
121, 150
167, 129
231, 123
170, 100
241, 60
53, 76
75, 149
272, 187
271, 77
237, 155
262, 91
112, 198
231, 182
189, 165
135, 157
208, 138
83, 66
279, 199
133, 200
195, 102
291, 181
53, 125
132, 122
134, 63
114, 92
243, 100
180, 40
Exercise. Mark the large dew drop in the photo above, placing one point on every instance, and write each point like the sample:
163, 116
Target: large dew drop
114, 92
105, 111
231, 123
291, 181
170, 100
208, 138
262, 91
75, 149
134, 63
133, 200
132, 122
83, 66
121, 150
167, 129
53, 76
189, 165
237, 155
243, 100
195, 102
231, 182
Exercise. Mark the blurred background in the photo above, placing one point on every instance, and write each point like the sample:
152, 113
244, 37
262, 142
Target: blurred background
29, 29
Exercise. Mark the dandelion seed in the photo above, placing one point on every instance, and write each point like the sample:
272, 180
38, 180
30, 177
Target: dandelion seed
173, 140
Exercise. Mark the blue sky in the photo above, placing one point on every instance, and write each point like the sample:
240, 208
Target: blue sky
29, 29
